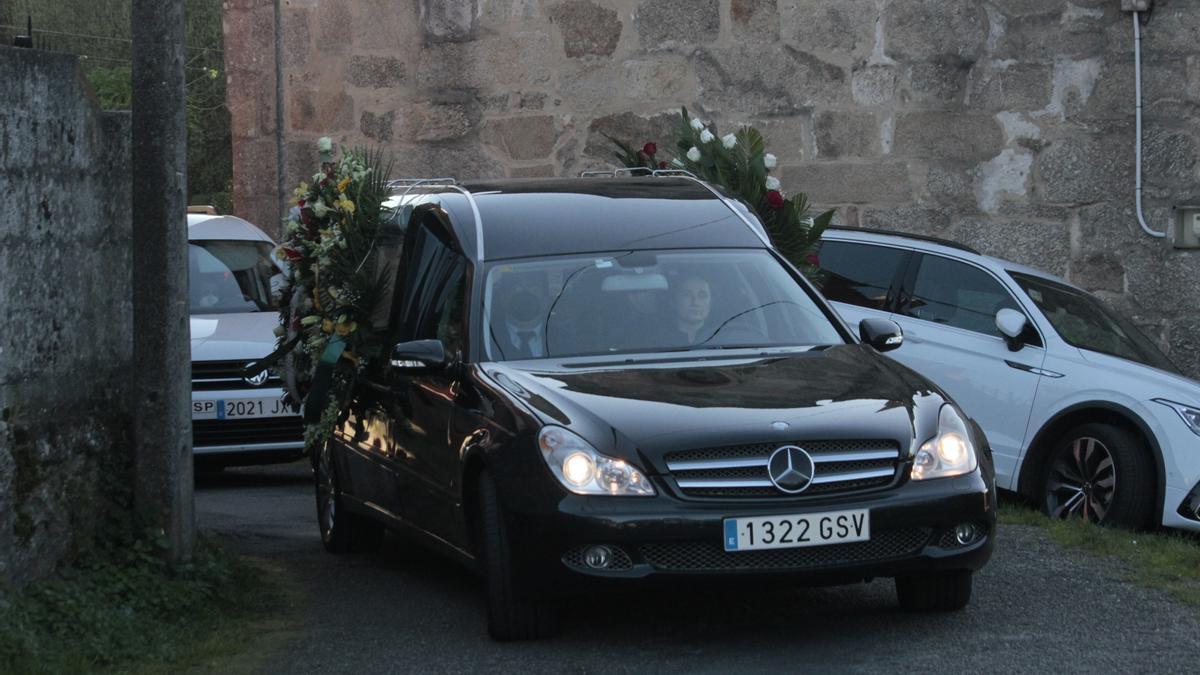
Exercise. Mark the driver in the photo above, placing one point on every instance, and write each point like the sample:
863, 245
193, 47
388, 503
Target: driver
522, 301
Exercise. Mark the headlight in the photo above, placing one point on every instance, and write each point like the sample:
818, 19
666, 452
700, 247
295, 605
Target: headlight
584, 471
1190, 415
950, 453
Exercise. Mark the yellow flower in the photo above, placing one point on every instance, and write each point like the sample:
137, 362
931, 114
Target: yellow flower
327, 326
346, 205
345, 329
341, 186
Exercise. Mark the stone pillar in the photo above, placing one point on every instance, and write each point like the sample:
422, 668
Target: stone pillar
252, 90
161, 352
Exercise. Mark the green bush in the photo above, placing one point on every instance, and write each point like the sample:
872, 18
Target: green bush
121, 605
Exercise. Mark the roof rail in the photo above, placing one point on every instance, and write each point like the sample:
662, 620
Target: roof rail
906, 235
637, 171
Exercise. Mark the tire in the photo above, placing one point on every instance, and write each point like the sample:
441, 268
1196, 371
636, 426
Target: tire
515, 611
341, 530
934, 592
1099, 473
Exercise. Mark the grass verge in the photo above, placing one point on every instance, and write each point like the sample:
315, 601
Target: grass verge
1166, 561
119, 608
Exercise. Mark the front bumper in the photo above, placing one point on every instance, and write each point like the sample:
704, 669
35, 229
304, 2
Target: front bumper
249, 440
664, 537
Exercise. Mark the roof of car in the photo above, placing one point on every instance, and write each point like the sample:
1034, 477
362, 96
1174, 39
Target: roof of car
223, 227
942, 246
558, 216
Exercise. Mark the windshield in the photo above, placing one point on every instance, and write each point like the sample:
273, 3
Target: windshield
1085, 322
231, 277
647, 301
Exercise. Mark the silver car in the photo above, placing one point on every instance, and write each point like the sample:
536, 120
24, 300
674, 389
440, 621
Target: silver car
233, 282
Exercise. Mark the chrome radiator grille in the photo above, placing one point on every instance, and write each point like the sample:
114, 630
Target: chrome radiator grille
741, 470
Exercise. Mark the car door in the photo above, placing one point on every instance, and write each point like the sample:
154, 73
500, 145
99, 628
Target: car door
947, 308
422, 402
860, 279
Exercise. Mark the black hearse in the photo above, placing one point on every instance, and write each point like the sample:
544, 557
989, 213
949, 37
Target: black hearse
604, 380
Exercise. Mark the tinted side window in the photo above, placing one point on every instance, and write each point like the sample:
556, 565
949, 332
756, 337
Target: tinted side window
447, 315
956, 294
859, 274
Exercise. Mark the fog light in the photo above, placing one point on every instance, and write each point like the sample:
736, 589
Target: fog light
965, 533
597, 557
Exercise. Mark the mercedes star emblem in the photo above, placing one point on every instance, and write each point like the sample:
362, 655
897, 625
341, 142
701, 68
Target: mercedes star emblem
790, 469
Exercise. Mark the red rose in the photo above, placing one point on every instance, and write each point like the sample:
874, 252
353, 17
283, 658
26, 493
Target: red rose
662, 165
775, 199
650, 149
813, 260
300, 203
291, 253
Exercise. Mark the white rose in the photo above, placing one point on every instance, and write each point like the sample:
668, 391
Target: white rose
729, 140
324, 144
697, 124
772, 183
694, 154
770, 161
706, 136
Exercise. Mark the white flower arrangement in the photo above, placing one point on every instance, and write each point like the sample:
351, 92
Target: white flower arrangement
706, 136
772, 183
697, 124
694, 154
770, 161
729, 141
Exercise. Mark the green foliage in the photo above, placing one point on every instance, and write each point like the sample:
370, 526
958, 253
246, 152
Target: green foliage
741, 166
113, 86
99, 32
121, 605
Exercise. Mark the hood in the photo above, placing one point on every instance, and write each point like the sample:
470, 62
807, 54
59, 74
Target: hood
1145, 382
665, 405
228, 337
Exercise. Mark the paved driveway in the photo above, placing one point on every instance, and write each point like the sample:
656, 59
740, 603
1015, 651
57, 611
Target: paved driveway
1036, 608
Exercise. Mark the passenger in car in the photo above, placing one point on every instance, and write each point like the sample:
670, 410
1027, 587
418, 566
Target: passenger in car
692, 301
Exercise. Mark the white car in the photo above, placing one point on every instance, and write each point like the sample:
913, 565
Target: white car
233, 281
1084, 414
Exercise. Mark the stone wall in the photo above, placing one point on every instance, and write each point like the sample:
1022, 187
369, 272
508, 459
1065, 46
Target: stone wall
1005, 124
65, 348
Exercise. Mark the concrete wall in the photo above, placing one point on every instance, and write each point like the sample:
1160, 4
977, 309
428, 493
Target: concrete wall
1006, 124
65, 346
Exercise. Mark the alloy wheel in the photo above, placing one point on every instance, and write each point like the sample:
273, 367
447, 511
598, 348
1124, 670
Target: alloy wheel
1082, 481
326, 492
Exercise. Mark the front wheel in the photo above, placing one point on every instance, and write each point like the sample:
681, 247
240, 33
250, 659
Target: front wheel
934, 592
1100, 474
515, 610
341, 531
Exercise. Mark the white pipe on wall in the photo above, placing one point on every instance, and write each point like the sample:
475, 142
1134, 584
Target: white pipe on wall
1137, 85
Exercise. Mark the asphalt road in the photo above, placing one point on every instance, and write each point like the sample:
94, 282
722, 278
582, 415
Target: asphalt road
1036, 608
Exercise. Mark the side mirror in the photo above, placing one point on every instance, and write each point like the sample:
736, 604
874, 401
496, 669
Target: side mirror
882, 334
419, 354
1011, 325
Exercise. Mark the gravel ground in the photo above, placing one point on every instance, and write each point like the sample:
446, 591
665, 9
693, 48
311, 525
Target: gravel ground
1036, 608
